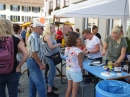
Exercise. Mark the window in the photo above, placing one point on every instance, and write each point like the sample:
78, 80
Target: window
51, 5
34, 17
35, 9
2, 7
25, 8
2, 16
58, 3
66, 2
15, 18
91, 22
116, 22
26, 19
15, 7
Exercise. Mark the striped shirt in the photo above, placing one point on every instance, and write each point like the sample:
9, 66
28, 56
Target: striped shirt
35, 45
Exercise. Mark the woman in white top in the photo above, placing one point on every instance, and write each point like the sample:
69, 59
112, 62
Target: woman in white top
92, 46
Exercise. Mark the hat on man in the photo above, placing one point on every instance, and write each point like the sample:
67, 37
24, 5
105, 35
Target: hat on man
38, 24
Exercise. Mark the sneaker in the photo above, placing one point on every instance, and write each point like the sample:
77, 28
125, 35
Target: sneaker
54, 88
52, 94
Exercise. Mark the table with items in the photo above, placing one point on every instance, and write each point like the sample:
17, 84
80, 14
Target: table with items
101, 72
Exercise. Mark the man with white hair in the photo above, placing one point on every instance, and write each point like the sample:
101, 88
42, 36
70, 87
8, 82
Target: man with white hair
34, 62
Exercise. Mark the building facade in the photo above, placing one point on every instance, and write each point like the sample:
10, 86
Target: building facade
53, 5
21, 11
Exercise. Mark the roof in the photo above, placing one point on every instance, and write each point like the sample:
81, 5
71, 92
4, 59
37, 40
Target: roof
24, 2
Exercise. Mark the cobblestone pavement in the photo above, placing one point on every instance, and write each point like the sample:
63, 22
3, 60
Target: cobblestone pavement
23, 84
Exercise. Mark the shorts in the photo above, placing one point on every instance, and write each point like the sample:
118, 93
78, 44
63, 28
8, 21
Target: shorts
74, 76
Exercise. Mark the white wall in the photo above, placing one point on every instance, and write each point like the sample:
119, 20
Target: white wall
102, 28
79, 23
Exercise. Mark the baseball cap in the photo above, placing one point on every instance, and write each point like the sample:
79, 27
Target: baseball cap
38, 24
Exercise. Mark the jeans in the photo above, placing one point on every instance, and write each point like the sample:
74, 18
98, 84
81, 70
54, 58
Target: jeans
36, 79
11, 80
52, 71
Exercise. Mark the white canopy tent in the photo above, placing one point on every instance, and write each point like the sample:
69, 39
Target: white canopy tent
110, 9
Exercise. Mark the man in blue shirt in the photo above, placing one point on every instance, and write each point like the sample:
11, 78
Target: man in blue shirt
23, 34
34, 62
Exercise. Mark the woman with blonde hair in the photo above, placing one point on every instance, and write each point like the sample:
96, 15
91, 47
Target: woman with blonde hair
11, 78
29, 31
51, 47
115, 46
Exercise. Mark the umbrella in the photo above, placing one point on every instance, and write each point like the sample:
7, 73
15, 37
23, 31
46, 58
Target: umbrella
26, 24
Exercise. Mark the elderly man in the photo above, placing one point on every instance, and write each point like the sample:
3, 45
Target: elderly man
35, 66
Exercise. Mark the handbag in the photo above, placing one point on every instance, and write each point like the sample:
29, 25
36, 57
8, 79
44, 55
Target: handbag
56, 58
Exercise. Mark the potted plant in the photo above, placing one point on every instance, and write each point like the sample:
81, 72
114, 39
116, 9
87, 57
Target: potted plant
49, 11
64, 6
57, 8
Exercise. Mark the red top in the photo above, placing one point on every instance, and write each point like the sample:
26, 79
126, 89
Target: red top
59, 34
82, 47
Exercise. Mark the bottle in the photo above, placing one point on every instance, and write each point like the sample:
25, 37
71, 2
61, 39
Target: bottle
110, 65
117, 67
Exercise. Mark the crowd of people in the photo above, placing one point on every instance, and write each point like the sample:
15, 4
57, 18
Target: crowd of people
29, 48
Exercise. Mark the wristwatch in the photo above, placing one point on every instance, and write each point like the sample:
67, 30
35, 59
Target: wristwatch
88, 52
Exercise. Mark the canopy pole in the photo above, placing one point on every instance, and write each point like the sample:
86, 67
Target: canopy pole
124, 21
54, 18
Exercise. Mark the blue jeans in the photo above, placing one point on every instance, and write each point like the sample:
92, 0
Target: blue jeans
52, 71
36, 79
11, 80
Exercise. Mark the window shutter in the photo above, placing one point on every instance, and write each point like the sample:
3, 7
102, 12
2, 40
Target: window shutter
38, 9
22, 8
4, 6
29, 9
10, 7
32, 9
18, 18
29, 19
18, 8
22, 18
11, 17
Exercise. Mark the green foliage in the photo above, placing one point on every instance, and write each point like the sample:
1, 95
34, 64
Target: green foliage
64, 6
57, 8
49, 11
128, 42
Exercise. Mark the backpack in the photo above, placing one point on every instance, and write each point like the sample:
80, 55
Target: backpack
6, 55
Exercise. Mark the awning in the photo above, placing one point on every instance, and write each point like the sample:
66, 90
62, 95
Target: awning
110, 9
99, 9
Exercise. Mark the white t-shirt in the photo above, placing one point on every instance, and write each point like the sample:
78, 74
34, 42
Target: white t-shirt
90, 46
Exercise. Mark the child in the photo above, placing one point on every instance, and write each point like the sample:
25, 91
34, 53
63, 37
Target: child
79, 44
73, 64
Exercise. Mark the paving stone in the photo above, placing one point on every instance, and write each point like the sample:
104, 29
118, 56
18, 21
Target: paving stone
24, 84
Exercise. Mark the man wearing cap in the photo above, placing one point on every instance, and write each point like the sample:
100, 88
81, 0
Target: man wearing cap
34, 63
